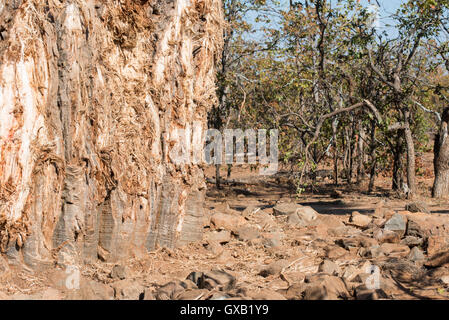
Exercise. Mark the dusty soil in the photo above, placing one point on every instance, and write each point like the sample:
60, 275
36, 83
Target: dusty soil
259, 253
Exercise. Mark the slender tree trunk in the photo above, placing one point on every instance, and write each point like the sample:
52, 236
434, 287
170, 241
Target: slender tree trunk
217, 176
397, 163
373, 158
372, 178
344, 148
335, 144
441, 159
351, 154
229, 171
411, 180
361, 152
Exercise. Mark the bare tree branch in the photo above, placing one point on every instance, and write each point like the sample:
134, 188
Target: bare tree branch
323, 118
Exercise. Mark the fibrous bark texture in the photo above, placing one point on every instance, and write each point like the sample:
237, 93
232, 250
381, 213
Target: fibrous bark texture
91, 92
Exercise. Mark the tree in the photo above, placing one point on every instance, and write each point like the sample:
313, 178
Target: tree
237, 46
441, 158
91, 95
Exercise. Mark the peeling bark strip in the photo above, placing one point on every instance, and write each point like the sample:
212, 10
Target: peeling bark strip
90, 93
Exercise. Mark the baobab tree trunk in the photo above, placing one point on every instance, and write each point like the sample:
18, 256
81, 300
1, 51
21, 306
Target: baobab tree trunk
91, 93
441, 159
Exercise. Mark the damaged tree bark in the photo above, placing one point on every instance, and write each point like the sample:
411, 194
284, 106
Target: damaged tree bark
90, 94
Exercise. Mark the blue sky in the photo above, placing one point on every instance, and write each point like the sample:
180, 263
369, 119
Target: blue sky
387, 8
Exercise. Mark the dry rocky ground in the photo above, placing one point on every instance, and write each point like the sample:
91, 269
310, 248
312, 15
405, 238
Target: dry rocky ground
263, 242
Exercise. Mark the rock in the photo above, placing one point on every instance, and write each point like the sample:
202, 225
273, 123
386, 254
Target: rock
99, 291
387, 236
363, 293
215, 279
128, 290
396, 223
325, 287
395, 249
362, 277
417, 207
329, 221
250, 210
148, 294
284, 209
294, 220
295, 291
412, 241
247, 233
266, 220
91, 290
192, 294
360, 220
266, 294
375, 252
222, 236
214, 247
350, 273
194, 279
223, 207
302, 217
335, 252
445, 279
403, 270
416, 254
173, 288
273, 240
367, 242
316, 292
347, 243
379, 222
329, 267
119, 272
418, 227
343, 231
274, 268
379, 211
438, 260
225, 258
227, 221
356, 241
437, 244
305, 213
